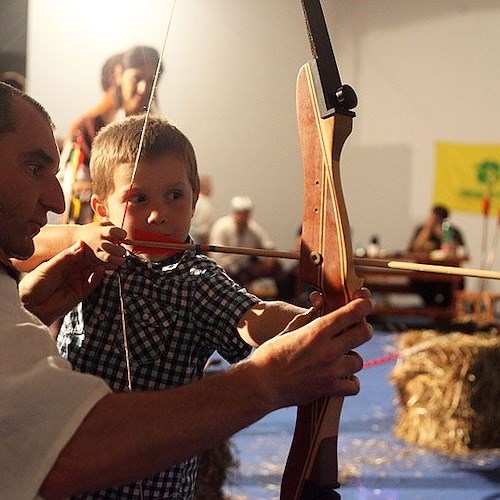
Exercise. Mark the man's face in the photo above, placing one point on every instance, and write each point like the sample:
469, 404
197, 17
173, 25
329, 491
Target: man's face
161, 200
28, 185
136, 85
241, 218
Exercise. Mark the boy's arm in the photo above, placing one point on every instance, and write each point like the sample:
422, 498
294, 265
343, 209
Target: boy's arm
52, 239
267, 319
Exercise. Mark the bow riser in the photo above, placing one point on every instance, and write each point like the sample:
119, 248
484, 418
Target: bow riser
326, 260
327, 264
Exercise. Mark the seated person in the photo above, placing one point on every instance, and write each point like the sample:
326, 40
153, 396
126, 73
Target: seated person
429, 237
239, 229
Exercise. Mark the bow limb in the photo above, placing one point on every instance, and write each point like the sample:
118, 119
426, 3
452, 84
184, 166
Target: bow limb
326, 262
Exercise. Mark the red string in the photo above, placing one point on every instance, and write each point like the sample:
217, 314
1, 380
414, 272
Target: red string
382, 360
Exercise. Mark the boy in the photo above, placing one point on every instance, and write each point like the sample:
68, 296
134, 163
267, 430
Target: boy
178, 308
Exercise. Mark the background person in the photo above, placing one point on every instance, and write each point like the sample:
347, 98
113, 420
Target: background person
240, 229
429, 235
437, 233
127, 81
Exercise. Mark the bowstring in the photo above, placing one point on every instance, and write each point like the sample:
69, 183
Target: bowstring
134, 171
148, 110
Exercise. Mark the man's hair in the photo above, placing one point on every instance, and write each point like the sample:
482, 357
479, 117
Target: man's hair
7, 95
118, 143
14, 78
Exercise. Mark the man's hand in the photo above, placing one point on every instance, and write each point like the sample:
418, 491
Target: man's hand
103, 238
316, 360
57, 285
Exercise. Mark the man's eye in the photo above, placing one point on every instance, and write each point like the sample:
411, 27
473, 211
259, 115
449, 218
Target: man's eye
35, 168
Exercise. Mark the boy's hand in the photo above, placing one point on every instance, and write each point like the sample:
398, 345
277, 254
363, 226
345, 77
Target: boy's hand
307, 316
104, 240
57, 285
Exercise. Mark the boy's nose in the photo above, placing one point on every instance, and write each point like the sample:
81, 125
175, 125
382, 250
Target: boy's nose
155, 217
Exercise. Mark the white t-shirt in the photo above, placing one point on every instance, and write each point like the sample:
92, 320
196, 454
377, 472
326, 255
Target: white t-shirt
225, 233
42, 401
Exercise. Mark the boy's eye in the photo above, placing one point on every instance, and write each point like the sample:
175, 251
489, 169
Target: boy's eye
174, 195
137, 198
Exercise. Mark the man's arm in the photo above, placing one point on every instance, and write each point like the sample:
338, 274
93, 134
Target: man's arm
133, 435
59, 284
52, 239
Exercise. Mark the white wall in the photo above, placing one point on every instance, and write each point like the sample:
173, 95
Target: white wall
424, 71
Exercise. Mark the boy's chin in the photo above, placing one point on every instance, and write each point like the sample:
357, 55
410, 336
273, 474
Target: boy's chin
152, 257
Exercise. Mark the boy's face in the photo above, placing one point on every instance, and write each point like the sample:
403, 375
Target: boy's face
161, 200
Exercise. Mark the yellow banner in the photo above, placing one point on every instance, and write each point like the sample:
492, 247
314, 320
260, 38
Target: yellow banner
466, 175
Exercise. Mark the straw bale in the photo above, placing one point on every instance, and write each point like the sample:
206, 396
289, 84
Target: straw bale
215, 467
448, 390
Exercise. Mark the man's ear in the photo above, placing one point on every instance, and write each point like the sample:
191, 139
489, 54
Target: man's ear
99, 208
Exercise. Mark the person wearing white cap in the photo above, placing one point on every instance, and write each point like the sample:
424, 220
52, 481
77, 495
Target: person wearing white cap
239, 229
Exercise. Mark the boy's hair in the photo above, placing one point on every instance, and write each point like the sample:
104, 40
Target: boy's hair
118, 143
7, 94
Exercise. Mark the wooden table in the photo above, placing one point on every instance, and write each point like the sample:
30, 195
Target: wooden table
386, 282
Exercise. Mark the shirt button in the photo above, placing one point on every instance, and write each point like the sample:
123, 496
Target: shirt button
145, 317
102, 317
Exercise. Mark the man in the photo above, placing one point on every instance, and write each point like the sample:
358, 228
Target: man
64, 432
429, 235
437, 233
240, 229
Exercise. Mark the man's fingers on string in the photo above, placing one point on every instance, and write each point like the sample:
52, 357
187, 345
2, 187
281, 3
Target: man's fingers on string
117, 234
113, 249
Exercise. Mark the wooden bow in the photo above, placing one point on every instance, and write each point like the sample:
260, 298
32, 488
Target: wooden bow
326, 261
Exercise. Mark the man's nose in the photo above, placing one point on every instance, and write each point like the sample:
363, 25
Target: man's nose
53, 197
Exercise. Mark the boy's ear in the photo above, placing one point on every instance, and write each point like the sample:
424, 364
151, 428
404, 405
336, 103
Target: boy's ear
195, 200
98, 207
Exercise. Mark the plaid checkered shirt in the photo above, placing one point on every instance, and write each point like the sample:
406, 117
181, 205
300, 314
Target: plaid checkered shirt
177, 313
